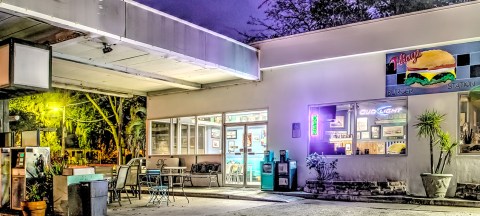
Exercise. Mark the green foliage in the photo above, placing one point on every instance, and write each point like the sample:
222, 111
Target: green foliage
50, 139
35, 192
429, 126
135, 130
86, 125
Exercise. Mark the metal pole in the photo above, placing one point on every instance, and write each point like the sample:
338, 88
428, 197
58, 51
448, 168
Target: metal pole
63, 131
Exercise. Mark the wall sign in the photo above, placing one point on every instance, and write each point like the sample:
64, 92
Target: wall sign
433, 70
314, 126
296, 133
385, 110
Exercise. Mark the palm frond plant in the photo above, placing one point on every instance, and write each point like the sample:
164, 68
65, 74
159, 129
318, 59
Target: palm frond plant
429, 126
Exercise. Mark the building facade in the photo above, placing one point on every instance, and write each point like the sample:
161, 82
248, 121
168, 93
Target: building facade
345, 68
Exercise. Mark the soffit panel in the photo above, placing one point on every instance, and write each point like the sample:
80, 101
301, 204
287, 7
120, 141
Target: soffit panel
84, 73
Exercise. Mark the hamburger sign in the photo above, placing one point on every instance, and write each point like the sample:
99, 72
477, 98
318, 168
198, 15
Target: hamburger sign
435, 70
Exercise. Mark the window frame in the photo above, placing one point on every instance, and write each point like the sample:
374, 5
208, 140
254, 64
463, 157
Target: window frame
176, 136
354, 127
459, 131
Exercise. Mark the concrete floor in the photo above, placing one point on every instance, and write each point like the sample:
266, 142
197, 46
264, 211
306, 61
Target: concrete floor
197, 206
210, 206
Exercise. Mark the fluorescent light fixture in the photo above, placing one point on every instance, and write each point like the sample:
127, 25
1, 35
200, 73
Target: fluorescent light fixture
91, 90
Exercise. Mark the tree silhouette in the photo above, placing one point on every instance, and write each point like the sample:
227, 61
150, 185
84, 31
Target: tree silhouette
289, 17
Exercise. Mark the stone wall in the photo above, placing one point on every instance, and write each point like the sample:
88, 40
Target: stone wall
356, 188
468, 191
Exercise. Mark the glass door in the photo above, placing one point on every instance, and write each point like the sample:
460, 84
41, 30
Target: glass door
256, 144
234, 155
245, 145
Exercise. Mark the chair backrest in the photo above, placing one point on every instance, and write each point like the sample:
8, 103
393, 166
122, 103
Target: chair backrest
154, 177
132, 177
172, 162
122, 177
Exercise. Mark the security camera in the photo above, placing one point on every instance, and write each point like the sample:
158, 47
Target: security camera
106, 48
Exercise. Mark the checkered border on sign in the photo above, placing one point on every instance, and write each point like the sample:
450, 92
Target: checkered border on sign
468, 66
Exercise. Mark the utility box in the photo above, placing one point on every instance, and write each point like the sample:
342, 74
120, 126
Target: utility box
67, 193
268, 172
286, 172
94, 197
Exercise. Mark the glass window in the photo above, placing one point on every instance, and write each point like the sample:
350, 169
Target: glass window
364, 128
180, 135
381, 127
201, 139
251, 116
176, 132
331, 129
185, 134
210, 131
469, 125
160, 142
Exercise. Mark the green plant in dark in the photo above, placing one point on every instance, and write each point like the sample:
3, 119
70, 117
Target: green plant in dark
326, 171
35, 192
446, 151
429, 126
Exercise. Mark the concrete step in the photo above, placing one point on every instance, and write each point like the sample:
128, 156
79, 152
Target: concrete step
387, 199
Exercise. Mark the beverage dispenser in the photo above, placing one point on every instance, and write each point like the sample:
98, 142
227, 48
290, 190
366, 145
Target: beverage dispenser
286, 172
27, 163
268, 171
5, 177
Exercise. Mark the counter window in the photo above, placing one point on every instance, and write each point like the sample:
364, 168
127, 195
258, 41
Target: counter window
363, 128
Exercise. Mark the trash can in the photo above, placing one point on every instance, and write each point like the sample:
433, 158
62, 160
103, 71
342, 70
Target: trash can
94, 197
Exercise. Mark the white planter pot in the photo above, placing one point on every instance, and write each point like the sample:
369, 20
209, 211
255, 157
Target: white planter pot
436, 185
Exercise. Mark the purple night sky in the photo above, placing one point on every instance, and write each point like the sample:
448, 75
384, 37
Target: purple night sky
223, 16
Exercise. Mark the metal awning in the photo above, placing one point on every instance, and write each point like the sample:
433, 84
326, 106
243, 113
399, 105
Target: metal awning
150, 51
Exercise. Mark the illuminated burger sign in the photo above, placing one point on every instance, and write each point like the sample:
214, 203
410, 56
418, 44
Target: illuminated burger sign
385, 110
427, 69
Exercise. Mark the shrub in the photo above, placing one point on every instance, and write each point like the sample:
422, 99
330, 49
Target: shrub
325, 171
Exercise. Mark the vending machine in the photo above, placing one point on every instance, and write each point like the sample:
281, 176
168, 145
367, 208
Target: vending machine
286, 172
268, 171
4, 177
27, 163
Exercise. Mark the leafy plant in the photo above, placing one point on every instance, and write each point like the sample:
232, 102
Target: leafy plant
429, 126
325, 171
36, 192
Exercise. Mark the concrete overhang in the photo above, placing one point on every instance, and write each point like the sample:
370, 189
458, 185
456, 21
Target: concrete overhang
150, 51
440, 26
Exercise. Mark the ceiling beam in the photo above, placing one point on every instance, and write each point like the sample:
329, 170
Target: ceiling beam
94, 90
177, 83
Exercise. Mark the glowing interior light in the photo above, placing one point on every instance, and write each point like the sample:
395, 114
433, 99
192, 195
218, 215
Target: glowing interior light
314, 125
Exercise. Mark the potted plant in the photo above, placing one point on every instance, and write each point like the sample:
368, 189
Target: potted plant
39, 196
35, 205
436, 182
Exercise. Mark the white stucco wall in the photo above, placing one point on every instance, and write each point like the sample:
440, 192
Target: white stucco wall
288, 90
287, 93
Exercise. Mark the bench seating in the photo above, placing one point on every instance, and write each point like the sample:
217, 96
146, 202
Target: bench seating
206, 170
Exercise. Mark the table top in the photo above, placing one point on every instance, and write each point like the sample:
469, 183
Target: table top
174, 167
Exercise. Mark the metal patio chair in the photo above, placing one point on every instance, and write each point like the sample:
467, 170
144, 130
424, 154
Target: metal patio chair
120, 184
157, 188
